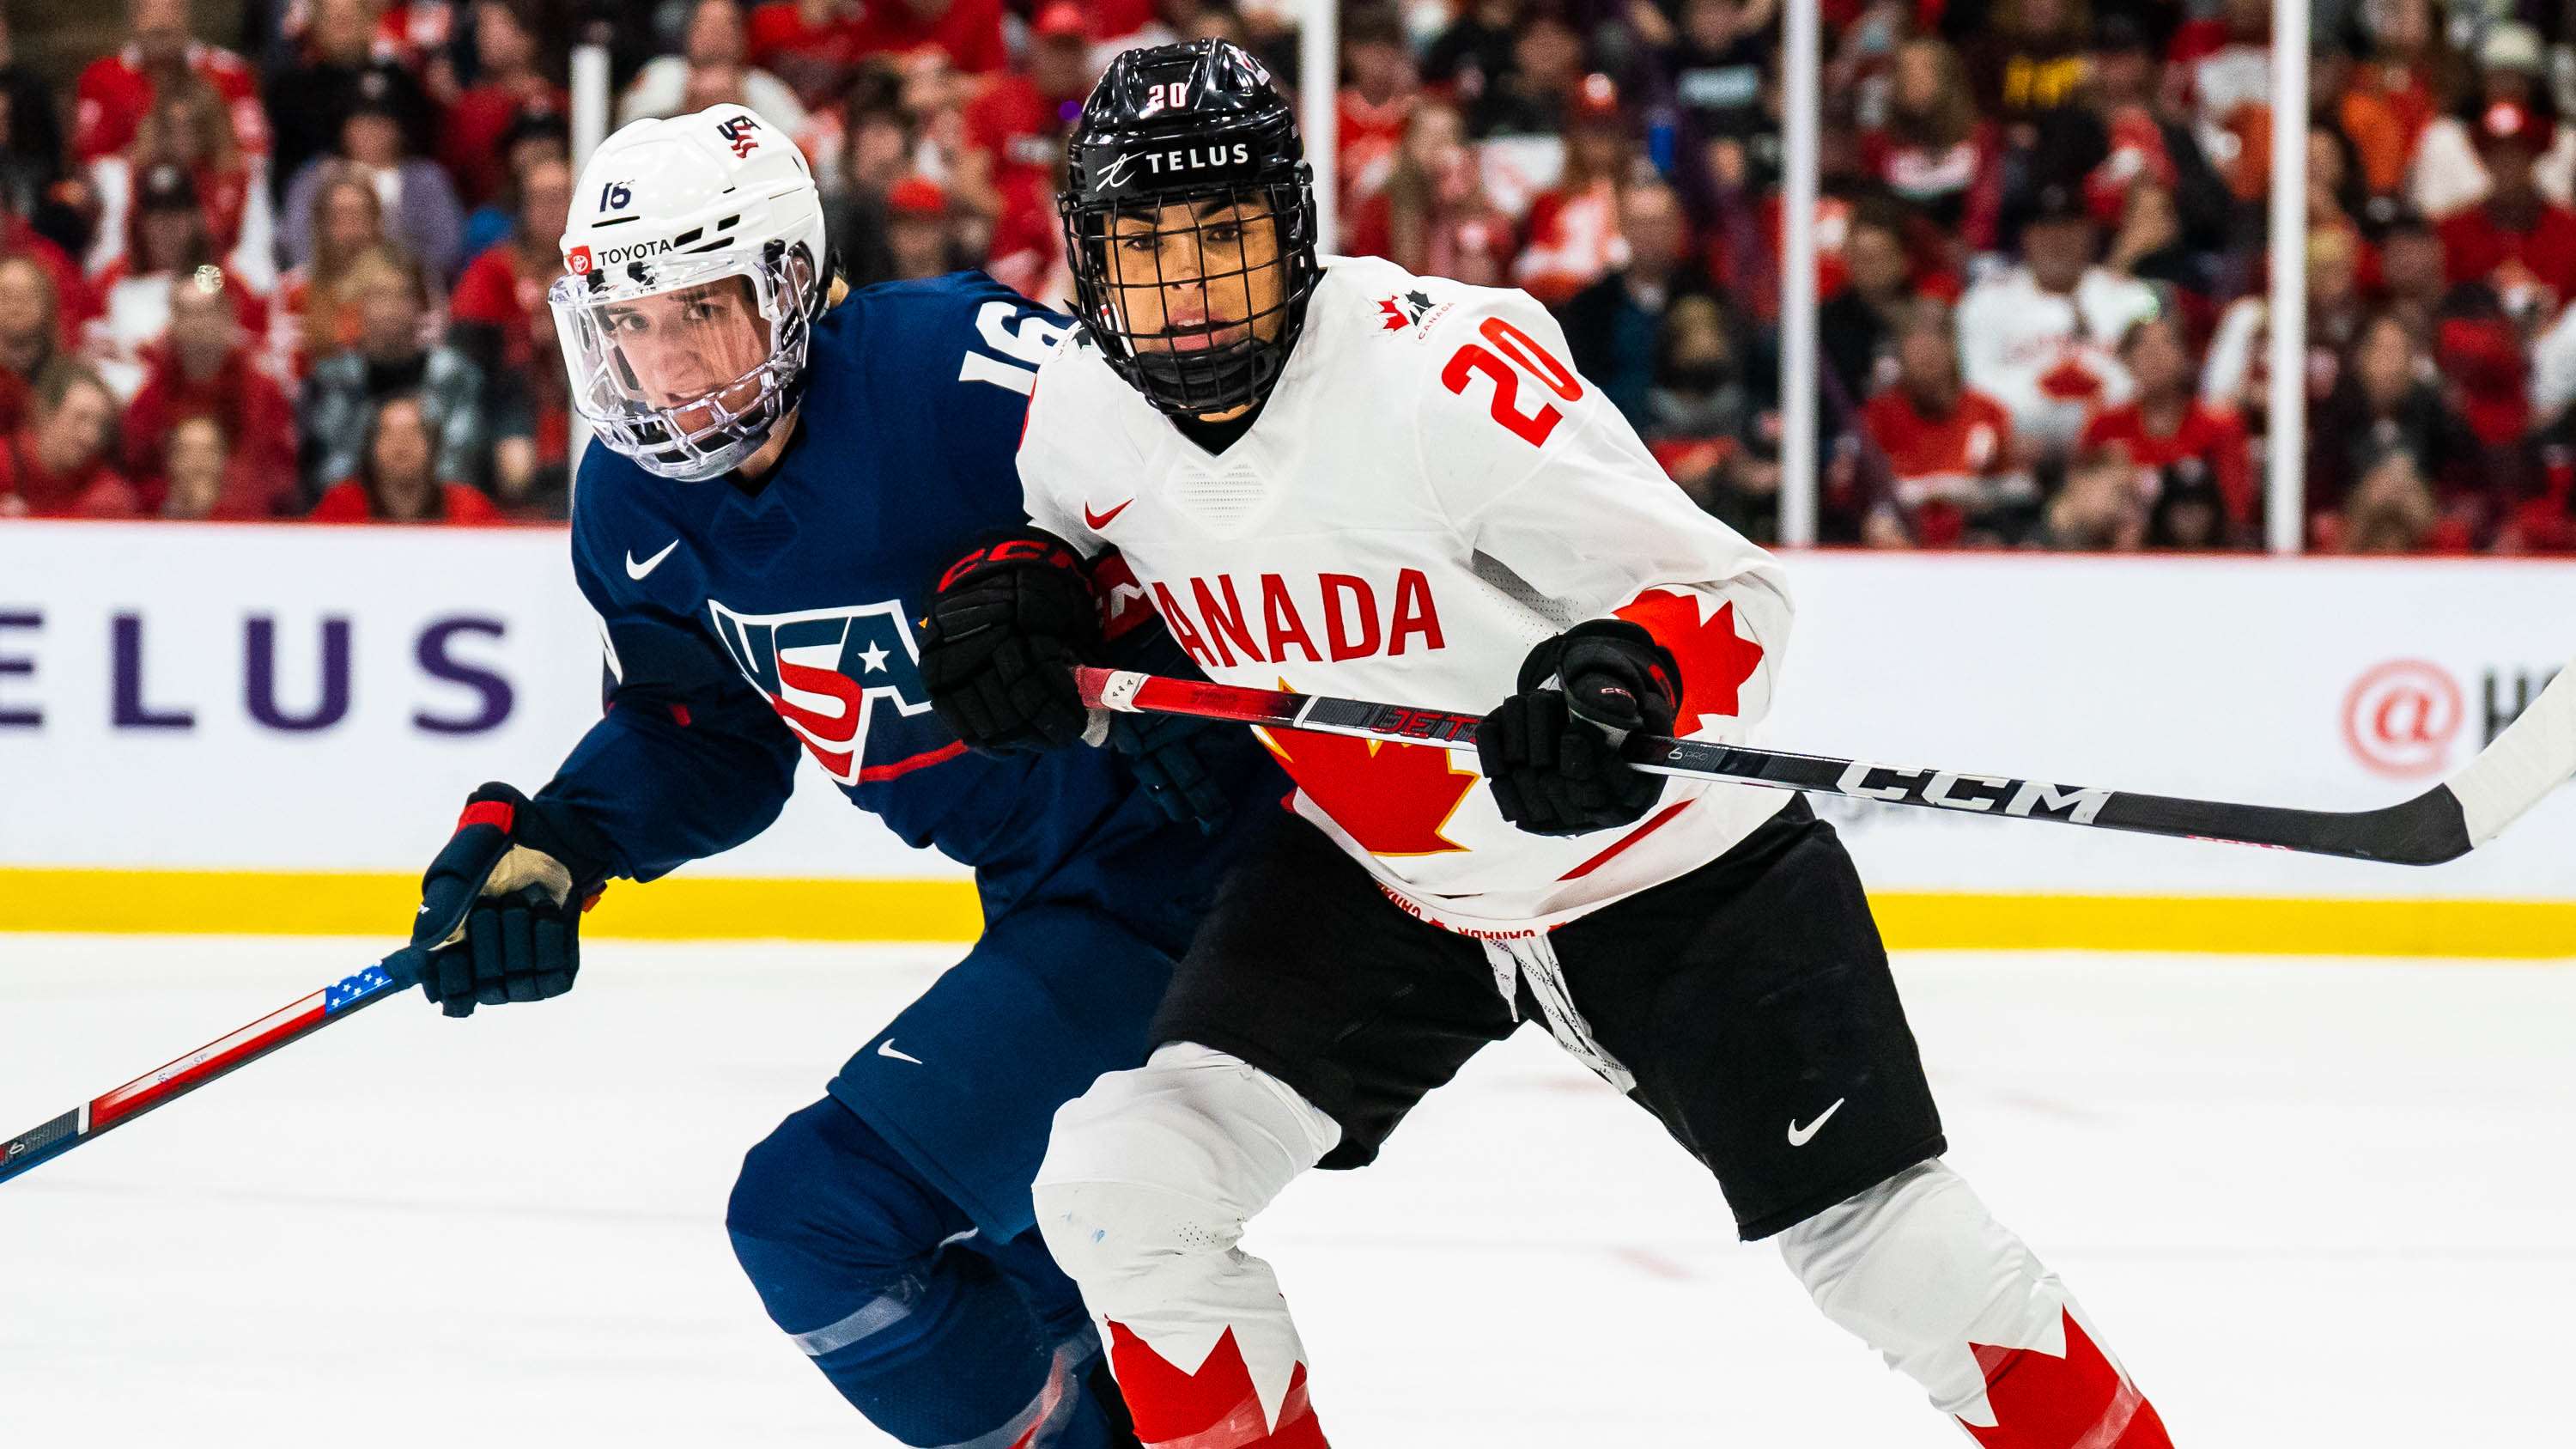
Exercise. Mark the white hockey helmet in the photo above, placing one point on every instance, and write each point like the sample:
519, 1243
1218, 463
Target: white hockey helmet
695, 268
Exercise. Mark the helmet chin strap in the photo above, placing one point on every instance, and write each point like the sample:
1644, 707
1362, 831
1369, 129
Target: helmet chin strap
1220, 379
1225, 377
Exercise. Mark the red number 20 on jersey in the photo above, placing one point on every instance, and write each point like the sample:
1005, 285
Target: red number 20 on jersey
1521, 348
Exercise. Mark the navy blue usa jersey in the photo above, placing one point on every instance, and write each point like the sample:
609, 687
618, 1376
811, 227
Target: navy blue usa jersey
746, 628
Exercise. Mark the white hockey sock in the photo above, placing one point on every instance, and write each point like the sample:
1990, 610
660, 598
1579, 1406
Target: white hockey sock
1147, 1182
1920, 1271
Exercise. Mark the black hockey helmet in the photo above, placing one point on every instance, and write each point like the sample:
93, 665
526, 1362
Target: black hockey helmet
1190, 124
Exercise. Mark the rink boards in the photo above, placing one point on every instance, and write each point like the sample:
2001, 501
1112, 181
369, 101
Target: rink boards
269, 728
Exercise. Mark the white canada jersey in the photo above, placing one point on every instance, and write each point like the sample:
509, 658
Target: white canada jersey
1428, 492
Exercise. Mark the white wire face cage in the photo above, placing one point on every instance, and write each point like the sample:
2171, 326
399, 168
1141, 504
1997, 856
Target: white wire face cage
686, 365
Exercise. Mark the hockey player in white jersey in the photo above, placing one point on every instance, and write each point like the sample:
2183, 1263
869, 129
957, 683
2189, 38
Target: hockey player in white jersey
1336, 477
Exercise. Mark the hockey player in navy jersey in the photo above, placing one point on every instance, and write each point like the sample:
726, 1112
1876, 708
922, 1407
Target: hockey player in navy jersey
783, 475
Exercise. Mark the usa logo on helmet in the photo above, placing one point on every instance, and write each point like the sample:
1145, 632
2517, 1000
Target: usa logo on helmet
824, 670
737, 130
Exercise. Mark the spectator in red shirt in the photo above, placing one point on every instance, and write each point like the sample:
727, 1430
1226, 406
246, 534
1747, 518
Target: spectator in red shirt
170, 242
1934, 152
968, 32
56, 464
396, 482
917, 233
31, 336
1573, 233
2516, 241
207, 369
1014, 139
512, 85
2164, 439
1953, 474
75, 301
1375, 102
187, 130
1434, 218
116, 92
499, 319
314, 316
200, 477
815, 46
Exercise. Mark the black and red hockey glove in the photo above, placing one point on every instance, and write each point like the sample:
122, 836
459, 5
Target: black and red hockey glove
1008, 622
501, 906
1551, 751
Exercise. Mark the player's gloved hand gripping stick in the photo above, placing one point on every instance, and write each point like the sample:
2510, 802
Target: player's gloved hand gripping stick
492, 933
2526, 762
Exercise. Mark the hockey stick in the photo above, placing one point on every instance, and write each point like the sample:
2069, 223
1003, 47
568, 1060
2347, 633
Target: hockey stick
337, 1002
2508, 777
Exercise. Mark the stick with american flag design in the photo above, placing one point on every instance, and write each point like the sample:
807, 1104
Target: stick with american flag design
479, 846
176, 1079
2531, 758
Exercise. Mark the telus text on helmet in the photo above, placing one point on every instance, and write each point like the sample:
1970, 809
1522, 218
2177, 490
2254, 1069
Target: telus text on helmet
1185, 158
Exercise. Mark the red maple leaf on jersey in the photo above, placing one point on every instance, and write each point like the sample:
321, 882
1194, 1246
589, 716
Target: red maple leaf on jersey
1395, 321
1391, 798
1215, 1407
1715, 660
2042, 1402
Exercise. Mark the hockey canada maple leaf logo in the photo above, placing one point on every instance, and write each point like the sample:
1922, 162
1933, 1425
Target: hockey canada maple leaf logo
1403, 311
1715, 660
1392, 799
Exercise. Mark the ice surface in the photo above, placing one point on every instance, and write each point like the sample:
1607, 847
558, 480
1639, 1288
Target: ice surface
2311, 1203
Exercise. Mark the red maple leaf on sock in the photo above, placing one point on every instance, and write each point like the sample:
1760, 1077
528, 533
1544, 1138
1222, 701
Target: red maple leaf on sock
1391, 798
1212, 1408
1714, 659
2074, 1401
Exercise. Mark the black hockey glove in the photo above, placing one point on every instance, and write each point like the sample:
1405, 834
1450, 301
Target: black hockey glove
1551, 751
1007, 624
1163, 751
504, 901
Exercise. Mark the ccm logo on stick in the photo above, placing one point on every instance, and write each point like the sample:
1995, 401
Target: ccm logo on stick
1953, 791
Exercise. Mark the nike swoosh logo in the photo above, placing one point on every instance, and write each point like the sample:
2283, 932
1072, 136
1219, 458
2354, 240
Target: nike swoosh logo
1099, 521
1801, 1136
637, 571
886, 1049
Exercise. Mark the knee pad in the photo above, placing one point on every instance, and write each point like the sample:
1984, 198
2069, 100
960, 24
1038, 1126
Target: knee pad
1918, 1269
1160, 1165
825, 1210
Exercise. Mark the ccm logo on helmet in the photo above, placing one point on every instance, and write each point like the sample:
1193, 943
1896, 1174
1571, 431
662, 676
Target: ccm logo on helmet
1187, 158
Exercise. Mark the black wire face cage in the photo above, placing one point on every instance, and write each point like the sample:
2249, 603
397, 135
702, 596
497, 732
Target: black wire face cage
1211, 358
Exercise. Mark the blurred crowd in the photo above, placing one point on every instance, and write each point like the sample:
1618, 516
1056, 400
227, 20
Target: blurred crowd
306, 277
